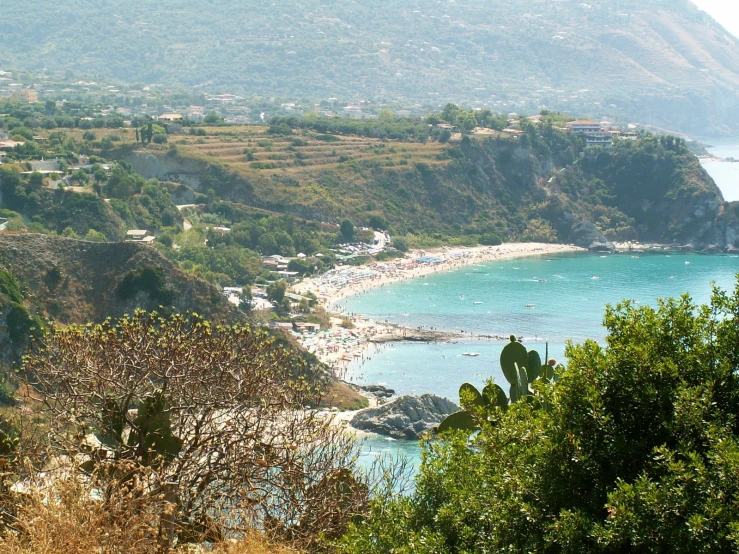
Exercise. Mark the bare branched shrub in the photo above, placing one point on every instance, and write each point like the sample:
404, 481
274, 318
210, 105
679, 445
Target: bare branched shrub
65, 516
211, 426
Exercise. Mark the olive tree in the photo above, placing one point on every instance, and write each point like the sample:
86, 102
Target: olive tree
217, 424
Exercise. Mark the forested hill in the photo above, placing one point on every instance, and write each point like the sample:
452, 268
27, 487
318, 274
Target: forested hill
539, 187
662, 62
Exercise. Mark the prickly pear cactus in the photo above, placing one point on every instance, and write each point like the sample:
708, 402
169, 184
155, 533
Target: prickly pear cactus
521, 368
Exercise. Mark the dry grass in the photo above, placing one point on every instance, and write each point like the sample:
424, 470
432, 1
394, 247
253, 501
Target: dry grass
252, 545
311, 156
66, 519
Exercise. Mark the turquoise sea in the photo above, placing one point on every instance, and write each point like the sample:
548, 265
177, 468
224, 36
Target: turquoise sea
725, 174
569, 294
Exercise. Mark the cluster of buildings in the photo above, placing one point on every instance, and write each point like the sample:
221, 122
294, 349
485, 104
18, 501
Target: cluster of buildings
594, 133
598, 134
18, 92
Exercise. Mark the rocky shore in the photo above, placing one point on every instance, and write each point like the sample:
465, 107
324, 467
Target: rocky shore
396, 333
407, 417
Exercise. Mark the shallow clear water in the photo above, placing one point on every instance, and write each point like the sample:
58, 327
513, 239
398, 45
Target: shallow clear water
569, 293
725, 174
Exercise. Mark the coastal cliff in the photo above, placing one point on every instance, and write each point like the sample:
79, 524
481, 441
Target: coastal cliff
541, 187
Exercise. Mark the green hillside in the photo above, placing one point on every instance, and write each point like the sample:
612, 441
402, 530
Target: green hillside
538, 187
657, 61
45, 277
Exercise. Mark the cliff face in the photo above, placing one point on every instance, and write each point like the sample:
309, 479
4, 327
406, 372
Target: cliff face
537, 188
661, 188
72, 281
725, 230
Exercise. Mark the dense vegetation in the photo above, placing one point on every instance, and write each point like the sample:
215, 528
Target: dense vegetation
493, 52
479, 189
284, 188
635, 448
389, 126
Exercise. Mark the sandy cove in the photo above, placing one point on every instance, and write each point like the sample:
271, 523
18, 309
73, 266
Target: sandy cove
338, 347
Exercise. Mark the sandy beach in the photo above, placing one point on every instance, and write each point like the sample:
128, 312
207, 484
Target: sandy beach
341, 283
339, 347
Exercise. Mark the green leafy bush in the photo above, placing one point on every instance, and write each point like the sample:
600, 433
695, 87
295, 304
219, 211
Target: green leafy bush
21, 324
9, 287
636, 451
490, 239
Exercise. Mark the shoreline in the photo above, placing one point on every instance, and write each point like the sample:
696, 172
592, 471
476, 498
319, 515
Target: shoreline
351, 337
340, 347
351, 281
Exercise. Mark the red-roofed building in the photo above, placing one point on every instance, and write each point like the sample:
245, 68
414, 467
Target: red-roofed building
584, 126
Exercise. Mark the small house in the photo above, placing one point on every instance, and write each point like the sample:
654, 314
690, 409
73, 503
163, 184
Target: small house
9, 144
584, 126
45, 166
27, 95
307, 328
139, 235
170, 117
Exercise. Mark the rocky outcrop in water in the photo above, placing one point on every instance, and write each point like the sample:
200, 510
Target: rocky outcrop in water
378, 391
406, 417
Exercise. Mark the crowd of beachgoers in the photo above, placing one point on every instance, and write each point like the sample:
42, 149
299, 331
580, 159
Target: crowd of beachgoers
345, 349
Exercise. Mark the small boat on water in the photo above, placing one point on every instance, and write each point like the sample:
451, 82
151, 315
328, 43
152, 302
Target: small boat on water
477, 303
595, 277
531, 305
471, 354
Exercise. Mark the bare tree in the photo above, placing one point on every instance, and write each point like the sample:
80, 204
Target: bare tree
217, 424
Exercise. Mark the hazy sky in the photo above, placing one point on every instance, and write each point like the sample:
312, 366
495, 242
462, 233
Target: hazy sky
726, 12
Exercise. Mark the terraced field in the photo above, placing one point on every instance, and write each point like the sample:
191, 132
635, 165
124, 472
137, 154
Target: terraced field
250, 150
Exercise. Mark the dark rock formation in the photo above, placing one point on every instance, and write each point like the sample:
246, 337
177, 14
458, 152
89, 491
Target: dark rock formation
379, 391
406, 417
586, 234
602, 247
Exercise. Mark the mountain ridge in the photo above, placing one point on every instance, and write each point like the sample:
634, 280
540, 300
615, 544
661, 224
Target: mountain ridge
661, 63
